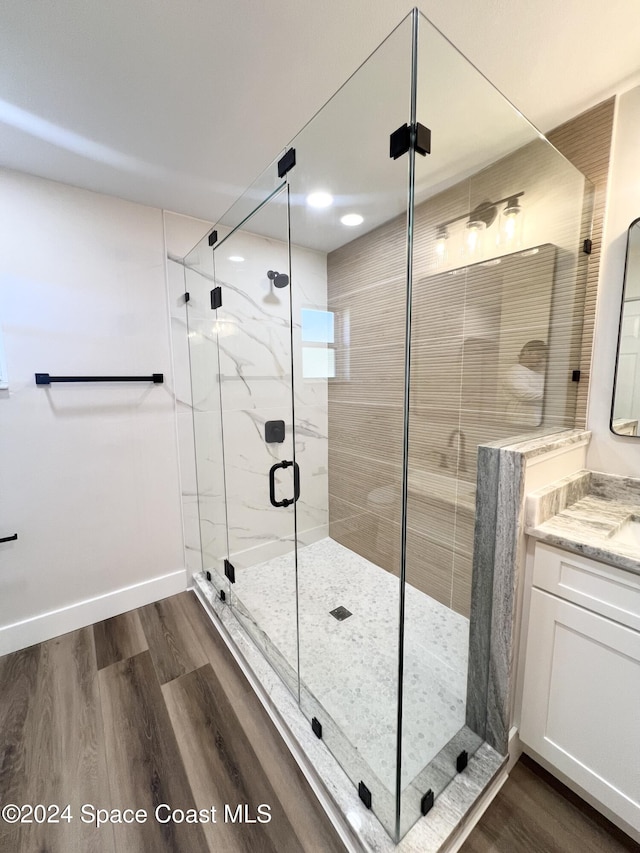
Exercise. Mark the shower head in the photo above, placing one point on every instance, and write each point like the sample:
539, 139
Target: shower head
279, 279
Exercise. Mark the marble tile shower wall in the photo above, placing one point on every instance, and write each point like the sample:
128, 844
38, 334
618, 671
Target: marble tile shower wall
467, 330
247, 349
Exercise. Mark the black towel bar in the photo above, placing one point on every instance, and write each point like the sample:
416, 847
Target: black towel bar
45, 379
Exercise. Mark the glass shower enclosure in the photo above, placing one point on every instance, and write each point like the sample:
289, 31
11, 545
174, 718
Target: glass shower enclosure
354, 320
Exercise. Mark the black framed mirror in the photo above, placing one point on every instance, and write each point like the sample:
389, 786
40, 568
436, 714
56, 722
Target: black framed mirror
625, 409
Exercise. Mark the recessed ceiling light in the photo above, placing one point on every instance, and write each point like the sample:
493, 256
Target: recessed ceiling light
236, 259
352, 219
320, 199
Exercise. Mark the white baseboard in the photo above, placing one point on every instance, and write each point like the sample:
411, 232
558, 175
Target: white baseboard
45, 626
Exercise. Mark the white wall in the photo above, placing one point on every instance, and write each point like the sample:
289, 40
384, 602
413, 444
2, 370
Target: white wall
88, 472
607, 452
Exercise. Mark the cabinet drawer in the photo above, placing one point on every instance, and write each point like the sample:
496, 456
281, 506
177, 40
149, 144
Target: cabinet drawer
611, 592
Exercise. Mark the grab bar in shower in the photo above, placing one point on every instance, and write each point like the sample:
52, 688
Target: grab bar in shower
45, 379
9, 538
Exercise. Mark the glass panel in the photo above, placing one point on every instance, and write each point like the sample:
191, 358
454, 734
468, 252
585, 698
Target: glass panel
266, 185
254, 343
496, 326
202, 333
349, 289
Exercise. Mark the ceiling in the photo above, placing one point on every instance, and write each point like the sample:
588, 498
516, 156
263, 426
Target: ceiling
182, 105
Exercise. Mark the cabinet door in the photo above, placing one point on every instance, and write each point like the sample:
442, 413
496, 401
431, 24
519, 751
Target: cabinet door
581, 701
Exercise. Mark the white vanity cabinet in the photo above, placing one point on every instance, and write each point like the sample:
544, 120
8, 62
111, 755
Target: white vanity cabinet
581, 698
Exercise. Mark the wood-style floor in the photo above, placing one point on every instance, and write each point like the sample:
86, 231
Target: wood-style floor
150, 708
534, 813
144, 709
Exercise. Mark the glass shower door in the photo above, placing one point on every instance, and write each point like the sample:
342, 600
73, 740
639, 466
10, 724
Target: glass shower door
261, 477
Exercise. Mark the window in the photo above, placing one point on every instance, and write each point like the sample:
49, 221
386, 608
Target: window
4, 379
318, 344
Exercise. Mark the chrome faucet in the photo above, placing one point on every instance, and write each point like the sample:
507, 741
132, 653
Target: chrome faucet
459, 450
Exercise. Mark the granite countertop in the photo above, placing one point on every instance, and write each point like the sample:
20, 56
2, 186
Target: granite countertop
589, 513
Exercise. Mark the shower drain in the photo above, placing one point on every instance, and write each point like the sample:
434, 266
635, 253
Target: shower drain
340, 613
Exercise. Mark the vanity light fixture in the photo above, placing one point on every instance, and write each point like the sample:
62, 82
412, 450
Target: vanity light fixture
479, 219
483, 215
320, 199
352, 219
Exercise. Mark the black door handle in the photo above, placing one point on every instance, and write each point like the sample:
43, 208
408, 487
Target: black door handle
296, 481
272, 483
9, 538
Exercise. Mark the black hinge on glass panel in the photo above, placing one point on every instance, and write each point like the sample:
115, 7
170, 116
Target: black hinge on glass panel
405, 137
587, 246
229, 571
216, 297
286, 162
223, 596
426, 803
213, 238
462, 760
575, 376
365, 794
209, 576
187, 296
316, 727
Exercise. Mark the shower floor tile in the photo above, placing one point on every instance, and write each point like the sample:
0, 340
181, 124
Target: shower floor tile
351, 666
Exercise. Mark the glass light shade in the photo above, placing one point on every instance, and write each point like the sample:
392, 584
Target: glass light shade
473, 243
511, 225
442, 250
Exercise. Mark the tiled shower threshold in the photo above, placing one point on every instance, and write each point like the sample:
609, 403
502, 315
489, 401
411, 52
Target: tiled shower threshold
358, 826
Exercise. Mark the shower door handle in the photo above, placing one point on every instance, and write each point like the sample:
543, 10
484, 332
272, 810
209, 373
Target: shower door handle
296, 481
272, 483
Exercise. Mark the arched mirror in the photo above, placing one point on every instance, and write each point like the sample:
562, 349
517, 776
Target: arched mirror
625, 412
